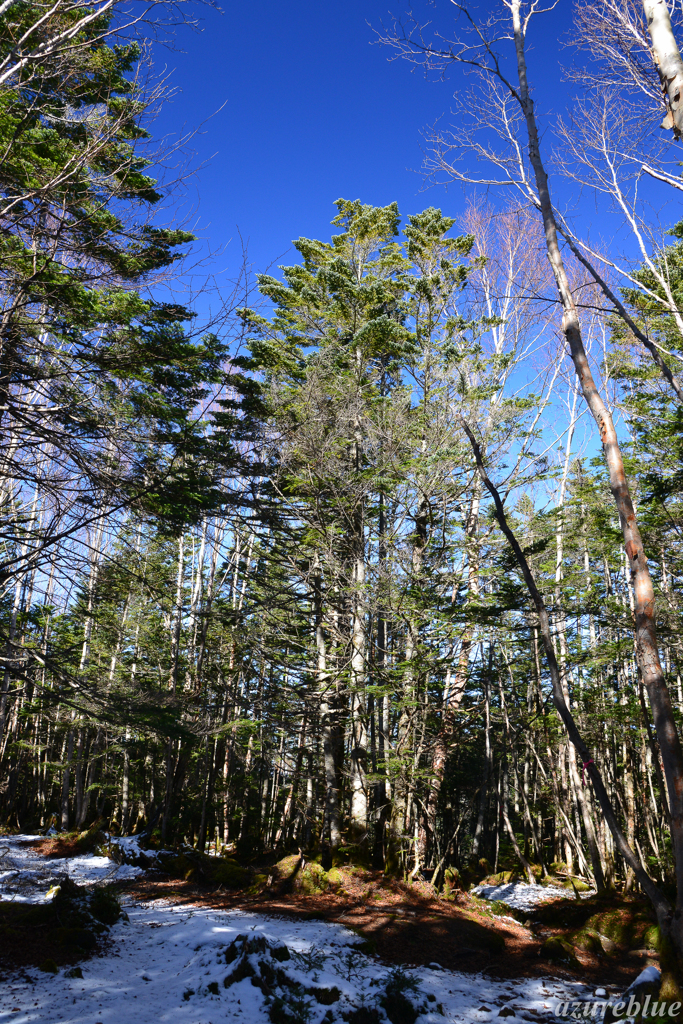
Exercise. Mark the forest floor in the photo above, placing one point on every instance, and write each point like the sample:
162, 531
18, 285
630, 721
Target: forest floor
406, 924
377, 952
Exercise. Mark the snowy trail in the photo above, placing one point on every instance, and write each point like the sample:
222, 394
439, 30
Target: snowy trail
27, 877
165, 952
167, 964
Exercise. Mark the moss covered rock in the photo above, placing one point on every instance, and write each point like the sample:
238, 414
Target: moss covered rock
194, 866
575, 884
335, 877
588, 941
178, 865
622, 926
228, 872
313, 879
559, 951
286, 868
501, 878
258, 883
624, 920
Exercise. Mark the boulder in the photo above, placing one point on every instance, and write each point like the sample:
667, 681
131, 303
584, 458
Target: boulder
559, 951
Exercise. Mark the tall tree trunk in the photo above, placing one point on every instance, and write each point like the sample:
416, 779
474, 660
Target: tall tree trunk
487, 767
176, 627
281, 835
455, 692
358, 723
328, 724
66, 780
646, 635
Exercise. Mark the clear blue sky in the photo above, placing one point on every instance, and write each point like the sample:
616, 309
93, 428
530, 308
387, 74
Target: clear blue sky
313, 111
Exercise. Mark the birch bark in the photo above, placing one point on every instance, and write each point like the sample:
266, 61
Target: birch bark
667, 57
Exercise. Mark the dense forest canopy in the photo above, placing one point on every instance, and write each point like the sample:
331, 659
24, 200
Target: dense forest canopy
386, 563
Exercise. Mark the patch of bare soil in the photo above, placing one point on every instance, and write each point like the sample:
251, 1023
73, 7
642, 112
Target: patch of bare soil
407, 924
57, 847
69, 844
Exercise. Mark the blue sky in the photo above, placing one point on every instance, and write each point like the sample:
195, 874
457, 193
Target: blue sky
312, 111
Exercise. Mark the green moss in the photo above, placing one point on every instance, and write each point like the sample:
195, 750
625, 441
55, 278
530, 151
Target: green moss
195, 866
625, 929
313, 879
588, 941
228, 872
505, 910
335, 877
92, 838
626, 921
49, 966
178, 865
288, 867
559, 951
501, 878
258, 882
671, 982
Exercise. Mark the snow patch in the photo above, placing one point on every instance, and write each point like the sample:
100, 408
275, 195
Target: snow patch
26, 876
648, 976
521, 895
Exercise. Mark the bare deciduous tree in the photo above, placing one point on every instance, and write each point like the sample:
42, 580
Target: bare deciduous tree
508, 115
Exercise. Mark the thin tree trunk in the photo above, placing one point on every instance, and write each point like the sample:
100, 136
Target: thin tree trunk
177, 623
486, 772
646, 635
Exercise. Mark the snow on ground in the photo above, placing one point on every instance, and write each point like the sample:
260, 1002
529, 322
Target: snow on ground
26, 876
167, 964
522, 896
